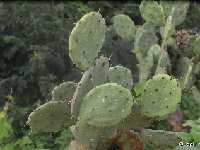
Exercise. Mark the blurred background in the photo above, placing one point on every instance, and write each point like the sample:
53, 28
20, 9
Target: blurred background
34, 59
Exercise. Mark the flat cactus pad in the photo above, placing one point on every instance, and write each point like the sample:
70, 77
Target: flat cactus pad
106, 105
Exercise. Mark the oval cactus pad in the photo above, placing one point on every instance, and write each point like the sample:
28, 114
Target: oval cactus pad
124, 27
64, 91
106, 105
121, 76
86, 39
160, 97
50, 117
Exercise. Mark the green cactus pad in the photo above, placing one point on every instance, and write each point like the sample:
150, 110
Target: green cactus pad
152, 12
197, 68
156, 51
64, 91
179, 12
85, 134
182, 67
160, 139
121, 76
50, 117
160, 97
190, 77
74, 145
184, 147
196, 94
145, 67
94, 76
106, 105
86, 40
144, 35
196, 46
148, 26
135, 120
167, 6
168, 28
90, 136
124, 27
163, 63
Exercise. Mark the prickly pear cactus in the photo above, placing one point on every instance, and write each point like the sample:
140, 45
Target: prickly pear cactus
50, 117
91, 136
156, 51
145, 67
160, 139
106, 105
152, 12
179, 12
163, 63
190, 77
121, 76
144, 35
94, 76
167, 6
64, 91
85, 134
168, 28
74, 145
196, 94
124, 27
135, 120
160, 97
86, 39
182, 67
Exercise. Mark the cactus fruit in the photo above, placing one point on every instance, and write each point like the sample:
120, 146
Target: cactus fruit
160, 97
86, 40
196, 94
94, 76
152, 12
124, 27
50, 117
64, 91
106, 105
121, 76
160, 139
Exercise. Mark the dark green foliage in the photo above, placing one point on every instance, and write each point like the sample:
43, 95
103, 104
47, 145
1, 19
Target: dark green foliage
33, 47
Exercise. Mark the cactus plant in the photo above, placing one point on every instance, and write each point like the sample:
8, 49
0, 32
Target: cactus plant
103, 106
64, 91
161, 96
121, 76
112, 98
124, 26
152, 12
86, 39
50, 117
